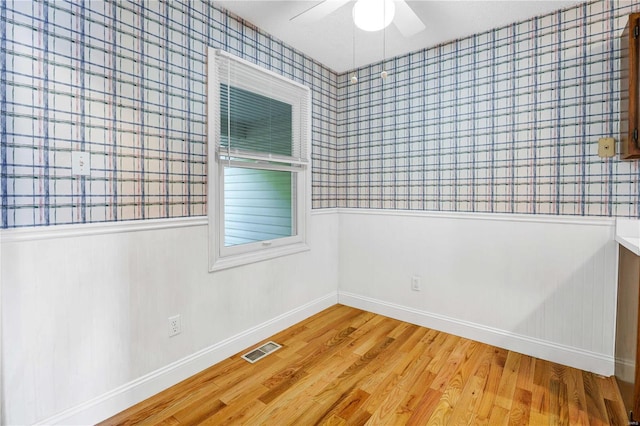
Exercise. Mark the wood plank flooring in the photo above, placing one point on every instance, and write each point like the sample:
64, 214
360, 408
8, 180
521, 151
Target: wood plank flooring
345, 366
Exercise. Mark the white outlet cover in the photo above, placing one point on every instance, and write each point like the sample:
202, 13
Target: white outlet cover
175, 325
80, 163
415, 283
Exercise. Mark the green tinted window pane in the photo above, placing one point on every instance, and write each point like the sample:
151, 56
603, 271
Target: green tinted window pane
256, 123
257, 205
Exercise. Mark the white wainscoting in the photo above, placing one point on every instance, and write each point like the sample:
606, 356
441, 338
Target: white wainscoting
85, 308
545, 286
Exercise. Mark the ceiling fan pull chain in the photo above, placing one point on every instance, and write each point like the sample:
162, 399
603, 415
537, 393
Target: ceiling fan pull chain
383, 74
354, 77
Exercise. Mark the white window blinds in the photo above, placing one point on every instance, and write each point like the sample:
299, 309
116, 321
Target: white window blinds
262, 116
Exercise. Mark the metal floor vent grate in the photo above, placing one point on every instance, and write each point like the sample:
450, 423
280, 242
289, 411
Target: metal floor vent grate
261, 352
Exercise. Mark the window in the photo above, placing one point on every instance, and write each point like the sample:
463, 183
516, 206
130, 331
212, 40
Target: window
259, 138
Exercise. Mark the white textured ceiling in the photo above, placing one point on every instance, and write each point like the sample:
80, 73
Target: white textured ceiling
330, 40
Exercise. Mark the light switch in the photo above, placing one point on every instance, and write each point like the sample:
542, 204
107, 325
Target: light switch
80, 163
606, 147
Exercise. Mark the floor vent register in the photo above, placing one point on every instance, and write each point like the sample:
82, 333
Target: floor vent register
261, 352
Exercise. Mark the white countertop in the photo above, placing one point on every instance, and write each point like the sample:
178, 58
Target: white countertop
628, 234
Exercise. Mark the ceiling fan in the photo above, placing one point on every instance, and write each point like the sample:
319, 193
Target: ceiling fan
405, 19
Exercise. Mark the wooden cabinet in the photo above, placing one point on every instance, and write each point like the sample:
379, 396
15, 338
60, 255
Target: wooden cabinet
629, 62
627, 338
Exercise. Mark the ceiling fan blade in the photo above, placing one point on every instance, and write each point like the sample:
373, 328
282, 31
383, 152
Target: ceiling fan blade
318, 11
406, 20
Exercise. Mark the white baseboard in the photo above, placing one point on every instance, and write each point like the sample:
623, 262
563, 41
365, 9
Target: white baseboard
113, 402
573, 357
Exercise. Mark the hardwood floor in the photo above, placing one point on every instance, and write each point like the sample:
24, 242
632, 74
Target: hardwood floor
347, 366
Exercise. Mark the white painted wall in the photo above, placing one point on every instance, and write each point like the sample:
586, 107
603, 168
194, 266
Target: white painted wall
85, 316
541, 285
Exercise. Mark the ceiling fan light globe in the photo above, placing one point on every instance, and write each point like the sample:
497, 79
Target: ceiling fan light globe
373, 15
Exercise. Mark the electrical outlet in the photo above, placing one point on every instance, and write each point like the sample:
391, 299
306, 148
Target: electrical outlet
415, 283
175, 325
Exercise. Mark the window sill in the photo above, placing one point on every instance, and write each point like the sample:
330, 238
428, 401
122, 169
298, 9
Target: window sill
222, 263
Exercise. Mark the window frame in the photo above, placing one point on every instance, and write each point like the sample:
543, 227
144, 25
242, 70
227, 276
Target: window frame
223, 257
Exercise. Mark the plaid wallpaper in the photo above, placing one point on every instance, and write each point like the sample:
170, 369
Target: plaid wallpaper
125, 82
504, 121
